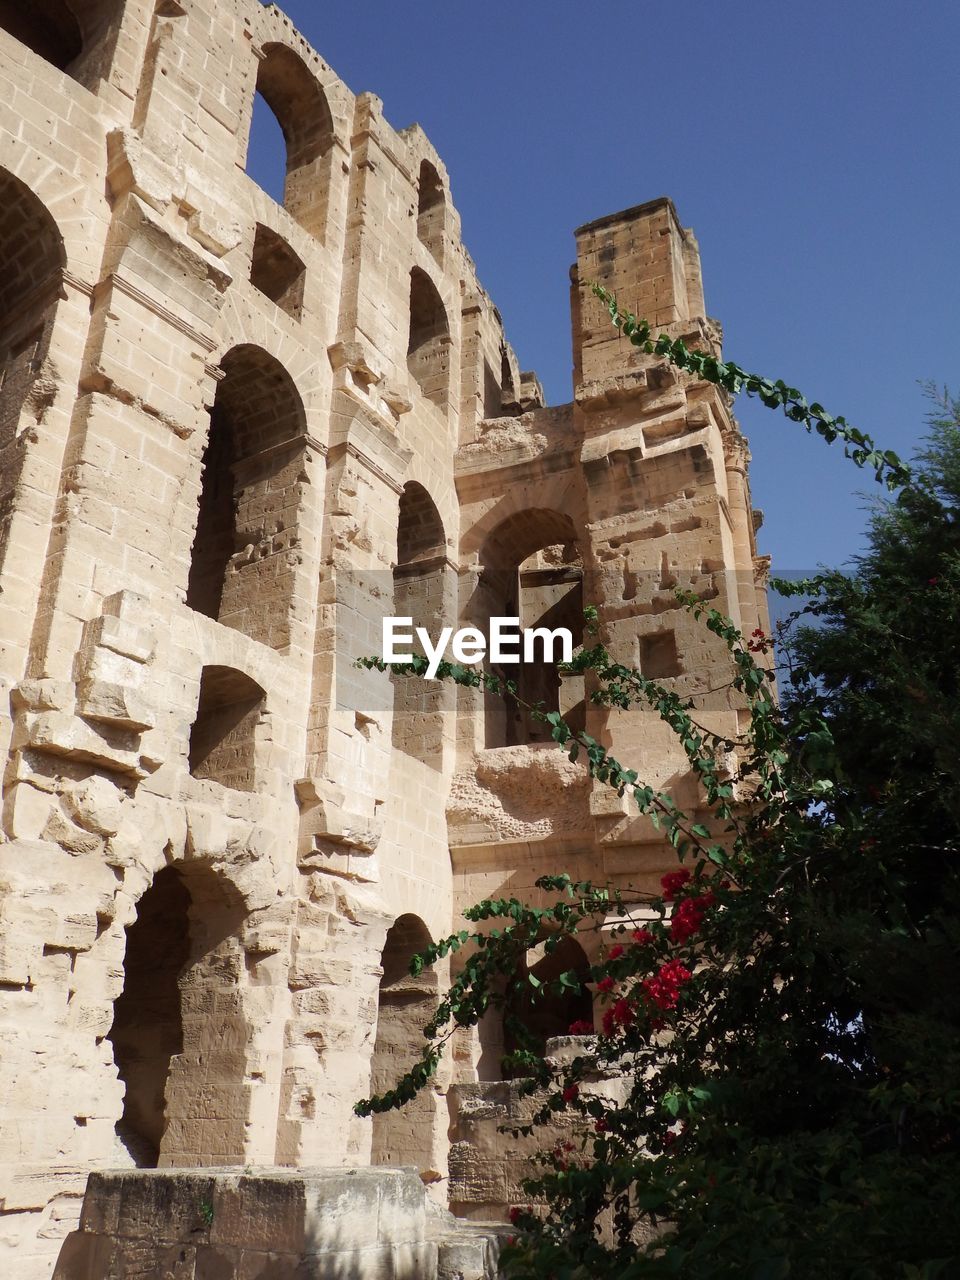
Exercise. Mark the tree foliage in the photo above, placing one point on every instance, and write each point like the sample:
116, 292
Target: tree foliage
784, 1015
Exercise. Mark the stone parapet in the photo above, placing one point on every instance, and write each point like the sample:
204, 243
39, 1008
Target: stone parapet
270, 1224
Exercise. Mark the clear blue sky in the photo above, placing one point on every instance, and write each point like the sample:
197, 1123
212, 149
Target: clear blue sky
814, 147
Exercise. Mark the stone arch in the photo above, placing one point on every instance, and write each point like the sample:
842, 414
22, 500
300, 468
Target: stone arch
431, 209
180, 1036
428, 349
75, 36
32, 261
293, 94
532, 569
420, 534
406, 1004
541, 1011
244, 553
420, 592
519, 535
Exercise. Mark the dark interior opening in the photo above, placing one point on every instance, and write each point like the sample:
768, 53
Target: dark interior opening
428, 351
544, 1013
406, 1004
48, 27
243, 561
431, 208
147, 1026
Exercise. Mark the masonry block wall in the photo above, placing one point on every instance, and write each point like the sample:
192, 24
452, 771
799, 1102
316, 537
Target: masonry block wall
234, 432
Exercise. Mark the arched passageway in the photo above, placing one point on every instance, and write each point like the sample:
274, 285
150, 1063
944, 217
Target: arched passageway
31, 270
288, 90
179, 1033
406, 1005
76, 36
428, 348
431, 209
540, 1011
532, 570
242, 566
419, 592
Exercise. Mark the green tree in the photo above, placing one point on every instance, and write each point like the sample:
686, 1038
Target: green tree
786, 1028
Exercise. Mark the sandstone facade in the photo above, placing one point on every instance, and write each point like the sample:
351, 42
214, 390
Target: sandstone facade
232, 436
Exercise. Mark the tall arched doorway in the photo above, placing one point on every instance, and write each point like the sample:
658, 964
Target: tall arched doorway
179, 1034
406, 1004
420, 593
244, 553
31, 270
542, 1012
532, 570
75, 36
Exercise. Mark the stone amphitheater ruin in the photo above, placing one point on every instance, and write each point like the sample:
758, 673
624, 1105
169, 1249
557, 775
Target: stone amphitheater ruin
232, 435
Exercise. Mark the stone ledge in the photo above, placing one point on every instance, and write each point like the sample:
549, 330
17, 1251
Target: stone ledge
285, 1224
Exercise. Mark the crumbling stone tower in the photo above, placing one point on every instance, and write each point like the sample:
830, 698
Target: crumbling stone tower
233, 435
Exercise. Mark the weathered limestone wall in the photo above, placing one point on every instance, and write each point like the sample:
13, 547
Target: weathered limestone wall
272, 1225
233, 435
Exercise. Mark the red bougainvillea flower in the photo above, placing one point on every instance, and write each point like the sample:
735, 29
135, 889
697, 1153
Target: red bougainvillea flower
514, 1214
605, 983
688, 916
570, 1092
673, 882
663, 989
581, 1028
600, 1126
642, 937
616, 952
624, 1013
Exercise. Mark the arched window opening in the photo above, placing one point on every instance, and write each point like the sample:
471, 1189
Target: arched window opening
267, 150
533, 571
421, 540
243, 559
294, 96
48, 27
76, 36
541, 1011
419, 593
509, 391
406, 1005
277, 271
178, 1033
492, 397
428, 351
31, 270
431, 209
223, 738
